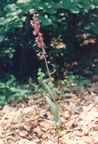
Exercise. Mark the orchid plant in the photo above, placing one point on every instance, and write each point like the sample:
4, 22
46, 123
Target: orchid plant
39, 40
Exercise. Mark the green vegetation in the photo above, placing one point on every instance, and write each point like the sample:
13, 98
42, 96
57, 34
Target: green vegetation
76, 82
10, 90
67, 19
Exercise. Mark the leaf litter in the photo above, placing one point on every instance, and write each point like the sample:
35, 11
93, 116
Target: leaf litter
32, 122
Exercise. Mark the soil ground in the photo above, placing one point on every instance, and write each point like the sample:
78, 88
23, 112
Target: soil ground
31, 122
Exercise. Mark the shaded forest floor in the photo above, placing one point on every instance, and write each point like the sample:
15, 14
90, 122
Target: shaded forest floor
31, 122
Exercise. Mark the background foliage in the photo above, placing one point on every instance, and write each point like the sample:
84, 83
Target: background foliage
67, 18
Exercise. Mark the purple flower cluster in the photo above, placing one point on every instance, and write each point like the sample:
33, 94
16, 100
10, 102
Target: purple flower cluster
39, 40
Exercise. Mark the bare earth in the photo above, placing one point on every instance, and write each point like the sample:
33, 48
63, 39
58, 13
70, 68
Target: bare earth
32, 122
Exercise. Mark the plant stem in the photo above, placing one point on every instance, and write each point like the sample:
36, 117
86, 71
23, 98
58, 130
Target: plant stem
48, 71
46, 63
58, 136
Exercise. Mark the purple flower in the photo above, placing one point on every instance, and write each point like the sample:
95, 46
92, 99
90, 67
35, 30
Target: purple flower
39, 40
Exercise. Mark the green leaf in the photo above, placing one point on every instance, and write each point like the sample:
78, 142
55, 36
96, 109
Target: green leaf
95, 2
45, 20
93, 27
23, 1
57, 122
2, 85
49, 90
2, 21
52, 107
49, 7
54, 110
25, 7
70, 6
